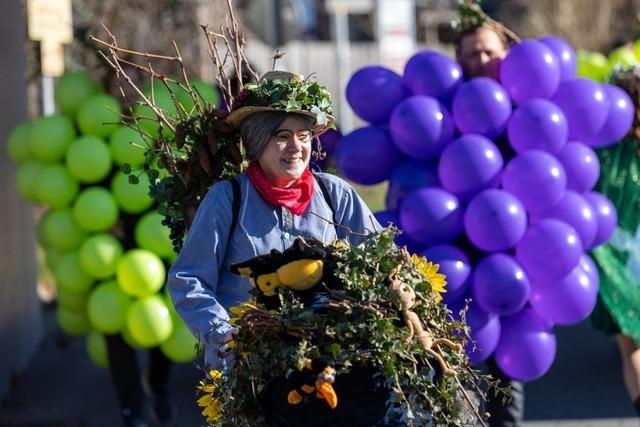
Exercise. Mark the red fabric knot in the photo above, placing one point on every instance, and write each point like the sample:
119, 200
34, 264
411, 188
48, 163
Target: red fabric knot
296, 198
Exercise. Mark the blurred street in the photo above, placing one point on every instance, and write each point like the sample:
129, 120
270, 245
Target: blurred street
62, 388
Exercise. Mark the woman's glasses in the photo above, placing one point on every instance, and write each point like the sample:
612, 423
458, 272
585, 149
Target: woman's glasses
283, 136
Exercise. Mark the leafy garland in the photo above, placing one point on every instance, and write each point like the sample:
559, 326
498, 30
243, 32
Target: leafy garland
360, 328
290, 95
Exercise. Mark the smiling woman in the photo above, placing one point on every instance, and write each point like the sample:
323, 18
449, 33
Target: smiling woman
275, 201
280, 142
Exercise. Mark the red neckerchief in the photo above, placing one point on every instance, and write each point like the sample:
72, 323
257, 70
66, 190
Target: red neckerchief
295, 198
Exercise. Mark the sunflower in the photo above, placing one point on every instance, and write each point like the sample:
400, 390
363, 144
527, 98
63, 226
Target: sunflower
429, 271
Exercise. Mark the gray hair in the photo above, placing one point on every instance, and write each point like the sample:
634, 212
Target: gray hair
257, 130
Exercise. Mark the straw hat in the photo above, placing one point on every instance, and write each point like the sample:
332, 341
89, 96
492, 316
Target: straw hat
237, 116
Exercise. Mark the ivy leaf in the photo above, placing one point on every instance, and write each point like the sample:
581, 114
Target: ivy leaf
125, 168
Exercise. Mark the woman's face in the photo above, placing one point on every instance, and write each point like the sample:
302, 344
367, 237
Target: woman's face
287, 154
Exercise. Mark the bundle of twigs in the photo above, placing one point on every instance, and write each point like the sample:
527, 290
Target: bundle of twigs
193, 149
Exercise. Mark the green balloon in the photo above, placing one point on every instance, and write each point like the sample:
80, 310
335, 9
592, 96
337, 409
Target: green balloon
96, 346
636, 49
18, 143
72, 301
41, 226
95, 209
126, 146
49, 138
151, 235
140, 273
161, 96
149, 321
181, 345
27, 179
128, 338
56, 187
72, 322
147, 118
99, 115
99, 255
61, 231
89, 159
593, 65
203, 92
170, 306
70, 276
73, 89
131, 198
107, 308
623, 56
52, 256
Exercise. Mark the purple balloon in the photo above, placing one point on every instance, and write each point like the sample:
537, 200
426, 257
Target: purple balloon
412, 246
536, 178
619, 119
575, 211
589, 267
485, 334
470, 164
585, 106
420, 127
431, 216
581, 166
367, 156
537, 124
481, 106
329, 140
530, 70
549, 250
379, 83
495, 220
433, 74
527, 346
387, 218
566, 301
410, 175
565, 55
390, 217
606, 216
454, 264
500, 285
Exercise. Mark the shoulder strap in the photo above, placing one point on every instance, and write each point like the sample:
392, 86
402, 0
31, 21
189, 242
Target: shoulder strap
235, 204
327, 198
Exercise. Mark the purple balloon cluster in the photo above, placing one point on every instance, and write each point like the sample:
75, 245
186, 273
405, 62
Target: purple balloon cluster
493, 181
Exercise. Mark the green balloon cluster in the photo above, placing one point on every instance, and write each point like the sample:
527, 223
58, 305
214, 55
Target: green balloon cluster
70, 162
596, 66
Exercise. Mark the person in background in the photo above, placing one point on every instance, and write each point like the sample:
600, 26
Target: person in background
616, 311
480, 50
133, 385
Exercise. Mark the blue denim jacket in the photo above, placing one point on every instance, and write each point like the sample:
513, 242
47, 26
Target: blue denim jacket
200, 283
